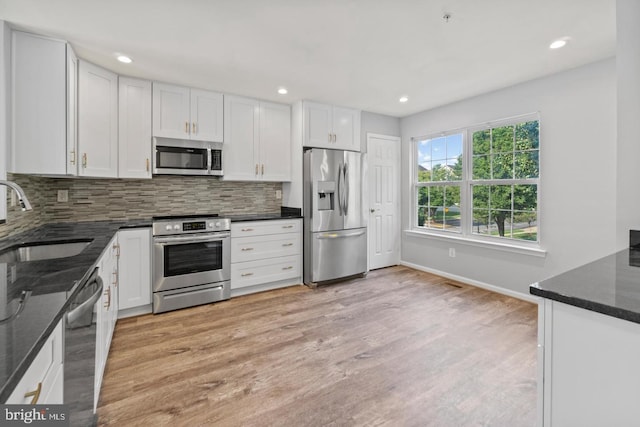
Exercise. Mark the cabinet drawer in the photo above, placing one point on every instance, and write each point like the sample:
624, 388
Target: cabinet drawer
261, 247
264, 271
45, 372
260, 228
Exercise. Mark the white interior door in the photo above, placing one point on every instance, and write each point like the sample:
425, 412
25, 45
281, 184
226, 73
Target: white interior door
384, 200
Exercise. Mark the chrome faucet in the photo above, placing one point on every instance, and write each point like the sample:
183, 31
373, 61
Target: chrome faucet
22, 198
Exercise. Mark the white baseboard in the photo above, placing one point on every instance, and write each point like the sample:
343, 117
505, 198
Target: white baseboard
476, 283
135, 311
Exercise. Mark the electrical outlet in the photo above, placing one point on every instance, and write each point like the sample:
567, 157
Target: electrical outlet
63, 195
278, 194
452, 252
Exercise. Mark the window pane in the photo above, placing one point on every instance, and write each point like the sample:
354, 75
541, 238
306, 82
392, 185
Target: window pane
502, 166
440, 171
439, 148
424, 160
527, 135
525, 226
500, 197
455, 168
480, 197
451, 214
481, 167
482, 142
526, 164
482, 222
454, 146
525, 197
502, 139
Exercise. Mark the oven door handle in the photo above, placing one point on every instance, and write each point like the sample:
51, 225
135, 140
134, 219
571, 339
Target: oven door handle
188, 239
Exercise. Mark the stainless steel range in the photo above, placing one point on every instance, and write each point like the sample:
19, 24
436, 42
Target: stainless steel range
191, 261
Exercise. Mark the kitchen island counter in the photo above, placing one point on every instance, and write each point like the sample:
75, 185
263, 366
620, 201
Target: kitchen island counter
609, 285
589, 343
52, 283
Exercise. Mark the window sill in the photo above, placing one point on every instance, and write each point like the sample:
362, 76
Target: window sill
499, 246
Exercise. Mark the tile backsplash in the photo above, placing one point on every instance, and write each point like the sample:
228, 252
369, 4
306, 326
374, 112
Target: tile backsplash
100, 199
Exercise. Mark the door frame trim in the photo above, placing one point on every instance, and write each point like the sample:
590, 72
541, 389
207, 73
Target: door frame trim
398, 141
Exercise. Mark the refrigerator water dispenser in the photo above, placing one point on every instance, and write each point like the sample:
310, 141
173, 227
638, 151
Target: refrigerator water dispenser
325, 195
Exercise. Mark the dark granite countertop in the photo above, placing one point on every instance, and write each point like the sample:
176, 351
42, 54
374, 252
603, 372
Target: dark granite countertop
610, 285
52, 284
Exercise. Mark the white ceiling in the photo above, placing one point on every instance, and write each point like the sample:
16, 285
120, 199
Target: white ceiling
358, 53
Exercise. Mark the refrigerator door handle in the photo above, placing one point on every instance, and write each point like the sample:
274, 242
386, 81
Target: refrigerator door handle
340, 189
346, 189
339, 236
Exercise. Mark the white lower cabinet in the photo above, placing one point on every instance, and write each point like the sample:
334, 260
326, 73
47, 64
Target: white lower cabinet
265, 255
134, 269
43, 381
107, 310
588, 368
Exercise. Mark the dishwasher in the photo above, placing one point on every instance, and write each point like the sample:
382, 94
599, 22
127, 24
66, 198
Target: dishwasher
80, 353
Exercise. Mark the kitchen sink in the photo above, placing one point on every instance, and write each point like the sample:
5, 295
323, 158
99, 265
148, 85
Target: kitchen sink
42, 251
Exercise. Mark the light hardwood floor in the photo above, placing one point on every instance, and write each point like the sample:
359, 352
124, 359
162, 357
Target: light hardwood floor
401, 347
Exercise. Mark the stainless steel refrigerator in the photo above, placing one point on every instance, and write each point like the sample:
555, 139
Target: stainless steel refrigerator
335, 233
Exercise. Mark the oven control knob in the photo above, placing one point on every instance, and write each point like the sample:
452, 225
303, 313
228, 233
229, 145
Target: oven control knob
168, 227
217, 225
176, 227
210, 225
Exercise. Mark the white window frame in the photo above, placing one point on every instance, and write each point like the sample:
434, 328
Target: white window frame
466, 235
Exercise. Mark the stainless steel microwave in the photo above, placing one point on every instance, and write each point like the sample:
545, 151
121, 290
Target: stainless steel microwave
181, 157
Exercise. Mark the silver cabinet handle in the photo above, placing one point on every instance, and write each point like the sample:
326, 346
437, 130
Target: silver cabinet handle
246, 249
329, 137
247, 229
246, 274
186, 127
287, 268
287, 226
193, 128
287, 244
72, 160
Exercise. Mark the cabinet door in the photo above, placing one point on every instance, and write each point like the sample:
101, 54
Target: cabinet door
45, 372
346, 128
38, 103
134, 268
275, 142
98, 121
240, 139
134, 128
170, 111
206, 116
317, 125
72, 112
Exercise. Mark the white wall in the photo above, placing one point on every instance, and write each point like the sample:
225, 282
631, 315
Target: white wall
577, 184
377, 123
628, 154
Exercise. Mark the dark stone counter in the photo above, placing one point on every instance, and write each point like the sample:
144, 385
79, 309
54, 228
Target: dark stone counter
52, 283
610, 285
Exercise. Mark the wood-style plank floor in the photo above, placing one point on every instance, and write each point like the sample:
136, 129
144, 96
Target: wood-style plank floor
399, 348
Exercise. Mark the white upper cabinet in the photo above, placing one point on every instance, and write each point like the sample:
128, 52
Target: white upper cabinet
275, 142
134, 128
183, 113
257, 140
241, 138
327, 126
206, 116
98, 121
43, 106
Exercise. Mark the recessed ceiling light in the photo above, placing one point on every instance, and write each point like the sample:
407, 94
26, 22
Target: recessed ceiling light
125, 59
403, 99
283, 91
557, 44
